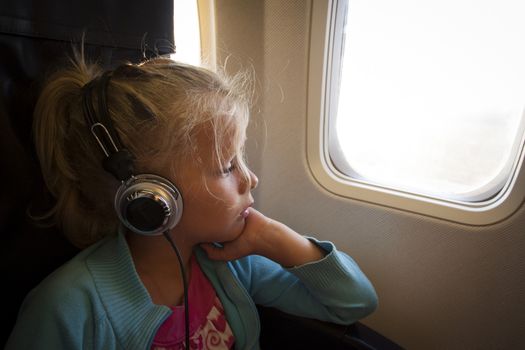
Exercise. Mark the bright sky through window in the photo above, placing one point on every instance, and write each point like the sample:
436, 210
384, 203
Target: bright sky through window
432, 94
187, 33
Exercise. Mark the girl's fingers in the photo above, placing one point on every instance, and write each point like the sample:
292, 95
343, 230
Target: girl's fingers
228, 251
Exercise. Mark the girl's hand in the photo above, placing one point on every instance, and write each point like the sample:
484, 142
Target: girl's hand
267, 237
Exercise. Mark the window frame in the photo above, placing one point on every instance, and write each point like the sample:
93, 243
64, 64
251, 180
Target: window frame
320, 71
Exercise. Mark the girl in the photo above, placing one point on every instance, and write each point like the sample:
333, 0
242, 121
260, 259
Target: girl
171, 138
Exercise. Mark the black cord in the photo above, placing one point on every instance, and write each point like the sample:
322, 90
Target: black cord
185, 286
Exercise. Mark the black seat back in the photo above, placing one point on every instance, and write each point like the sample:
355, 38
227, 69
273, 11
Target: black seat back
35, 38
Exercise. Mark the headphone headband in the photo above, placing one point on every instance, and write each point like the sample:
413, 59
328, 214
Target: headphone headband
118, 161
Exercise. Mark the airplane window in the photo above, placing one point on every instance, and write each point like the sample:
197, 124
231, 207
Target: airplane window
431, 95
425, 99
187, 32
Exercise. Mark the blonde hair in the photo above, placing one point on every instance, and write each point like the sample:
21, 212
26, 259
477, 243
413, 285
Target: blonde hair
156, 107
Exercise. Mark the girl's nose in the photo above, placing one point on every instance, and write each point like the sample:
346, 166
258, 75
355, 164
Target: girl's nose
254, 180
248, 183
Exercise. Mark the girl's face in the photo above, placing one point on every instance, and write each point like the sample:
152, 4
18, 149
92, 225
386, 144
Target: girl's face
215, 199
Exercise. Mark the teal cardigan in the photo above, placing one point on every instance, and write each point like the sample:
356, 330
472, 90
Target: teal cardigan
97, 301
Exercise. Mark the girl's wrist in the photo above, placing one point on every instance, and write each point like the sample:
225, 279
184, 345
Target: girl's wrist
287, 247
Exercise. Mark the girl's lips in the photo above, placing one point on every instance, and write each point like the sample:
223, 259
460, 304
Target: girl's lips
245, 213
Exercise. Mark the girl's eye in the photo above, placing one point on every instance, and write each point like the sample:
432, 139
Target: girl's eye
232, 166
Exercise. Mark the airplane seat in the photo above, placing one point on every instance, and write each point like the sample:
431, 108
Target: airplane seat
36, 36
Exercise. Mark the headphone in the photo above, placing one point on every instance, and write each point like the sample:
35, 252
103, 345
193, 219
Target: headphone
146, 204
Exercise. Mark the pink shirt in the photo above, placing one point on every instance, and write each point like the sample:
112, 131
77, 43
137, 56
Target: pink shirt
209, 328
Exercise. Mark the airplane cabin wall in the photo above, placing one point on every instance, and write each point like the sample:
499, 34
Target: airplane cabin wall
441, 285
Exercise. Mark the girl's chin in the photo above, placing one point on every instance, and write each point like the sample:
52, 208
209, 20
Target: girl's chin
236, 230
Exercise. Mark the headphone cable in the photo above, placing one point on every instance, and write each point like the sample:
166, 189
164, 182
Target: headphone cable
185, 286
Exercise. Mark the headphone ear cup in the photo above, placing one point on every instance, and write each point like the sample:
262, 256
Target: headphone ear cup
148, 204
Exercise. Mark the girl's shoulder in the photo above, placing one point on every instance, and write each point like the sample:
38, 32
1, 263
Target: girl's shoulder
73, 277
61, 309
